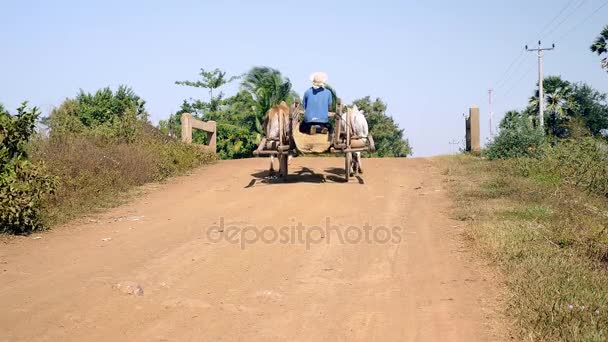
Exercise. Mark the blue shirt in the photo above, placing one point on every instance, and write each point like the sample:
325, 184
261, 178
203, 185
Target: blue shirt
316, 105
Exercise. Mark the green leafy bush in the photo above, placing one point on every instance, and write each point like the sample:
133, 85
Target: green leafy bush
24, 186
101, 145
582, 163
389, 139
517, 138
115, 116
549, 239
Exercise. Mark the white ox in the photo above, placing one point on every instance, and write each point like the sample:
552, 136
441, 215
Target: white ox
271, 126
359, 129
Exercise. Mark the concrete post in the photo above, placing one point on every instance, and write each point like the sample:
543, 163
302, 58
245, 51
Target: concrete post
472, 130
212, 136
187, 128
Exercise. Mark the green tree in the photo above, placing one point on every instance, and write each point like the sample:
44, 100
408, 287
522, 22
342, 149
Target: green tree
560, 105
268, 87
238, 117
172, 126
115, 115
105, 105
517, 138
511, 119
24, 186
572, 109
211, 80
388, 137
592, 108
600, 46
238, 126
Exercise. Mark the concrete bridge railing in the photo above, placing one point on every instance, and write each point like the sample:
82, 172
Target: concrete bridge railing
189, 123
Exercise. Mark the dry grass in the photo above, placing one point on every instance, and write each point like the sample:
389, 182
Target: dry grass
96, 174
549, 240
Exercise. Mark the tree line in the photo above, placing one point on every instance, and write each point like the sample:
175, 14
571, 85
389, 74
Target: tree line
239, 116
574, 110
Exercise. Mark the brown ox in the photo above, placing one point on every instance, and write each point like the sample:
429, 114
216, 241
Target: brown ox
271, 127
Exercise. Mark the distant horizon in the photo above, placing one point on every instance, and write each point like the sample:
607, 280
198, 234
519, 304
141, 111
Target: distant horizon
428, 62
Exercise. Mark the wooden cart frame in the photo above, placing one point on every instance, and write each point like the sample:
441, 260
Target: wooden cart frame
341, 142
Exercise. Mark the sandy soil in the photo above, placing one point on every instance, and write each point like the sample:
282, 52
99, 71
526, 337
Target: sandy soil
311, 259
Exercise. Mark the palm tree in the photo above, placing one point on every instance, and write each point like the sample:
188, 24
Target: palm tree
509, 121
268, 87
600, 46
558, 96
560, 102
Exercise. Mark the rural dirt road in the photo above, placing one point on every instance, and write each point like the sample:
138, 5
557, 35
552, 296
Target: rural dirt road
410, 279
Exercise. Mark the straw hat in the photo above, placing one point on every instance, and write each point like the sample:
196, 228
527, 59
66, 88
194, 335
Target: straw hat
318, 79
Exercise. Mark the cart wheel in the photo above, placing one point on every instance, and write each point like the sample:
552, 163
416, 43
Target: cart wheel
347, 165
283, 165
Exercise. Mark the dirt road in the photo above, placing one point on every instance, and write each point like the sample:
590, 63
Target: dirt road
312, 259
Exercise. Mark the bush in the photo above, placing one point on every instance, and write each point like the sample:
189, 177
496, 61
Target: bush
109, 115
582, 163
93, 171
551, 242
99, 146
24, 186
517, 139
389, 139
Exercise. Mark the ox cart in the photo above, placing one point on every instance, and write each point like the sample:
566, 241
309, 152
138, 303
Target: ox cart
342, 141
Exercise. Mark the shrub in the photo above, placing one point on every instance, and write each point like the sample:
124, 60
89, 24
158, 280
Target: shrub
105, 106
517, 138
582, 163
24, 185
93, 170
551, 242
109, 115
99, 146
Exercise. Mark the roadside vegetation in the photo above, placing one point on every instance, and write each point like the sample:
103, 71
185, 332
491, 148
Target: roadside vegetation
547, 236
93, 148
97, 147
536, 204
239, 117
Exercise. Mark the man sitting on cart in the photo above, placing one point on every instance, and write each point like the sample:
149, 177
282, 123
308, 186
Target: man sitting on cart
317, 101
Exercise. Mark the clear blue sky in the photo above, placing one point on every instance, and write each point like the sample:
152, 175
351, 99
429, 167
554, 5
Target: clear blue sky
429, 61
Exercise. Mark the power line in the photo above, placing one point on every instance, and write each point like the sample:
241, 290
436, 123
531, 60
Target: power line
514, 86
502, 78
518, 81
575, 27
568, 3
506, 76
515, 70
518, 62
566, 18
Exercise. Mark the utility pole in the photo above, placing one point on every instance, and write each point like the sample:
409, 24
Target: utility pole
491, 113
541, 100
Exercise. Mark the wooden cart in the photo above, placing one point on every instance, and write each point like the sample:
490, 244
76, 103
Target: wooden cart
295, 141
